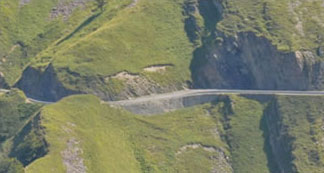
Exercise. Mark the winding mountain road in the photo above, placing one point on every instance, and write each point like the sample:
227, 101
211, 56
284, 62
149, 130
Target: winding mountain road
206, 92
198, 92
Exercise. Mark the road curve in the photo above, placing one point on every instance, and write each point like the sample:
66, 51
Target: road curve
29, 99
206, 92
199, 92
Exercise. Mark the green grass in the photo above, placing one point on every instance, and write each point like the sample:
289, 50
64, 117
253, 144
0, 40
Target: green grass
303, 119
277, 20
103, 143
117, 141
245, 137
31, 28
91, 46
123, 39
10, 166
14, 115
114, 140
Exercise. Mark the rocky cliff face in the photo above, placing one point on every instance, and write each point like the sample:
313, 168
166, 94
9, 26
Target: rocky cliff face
279, 140
3, 83
43, 85
247, 61
241, 61
47, 86
295, 133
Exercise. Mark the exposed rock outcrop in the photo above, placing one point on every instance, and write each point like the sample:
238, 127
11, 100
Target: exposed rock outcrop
65, 8
23, 2
295, 133
247, 61
43, 85
220, 160
279, 140
3, 83
47, 86
131, 85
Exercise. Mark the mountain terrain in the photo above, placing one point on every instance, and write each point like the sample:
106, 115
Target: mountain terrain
82, 55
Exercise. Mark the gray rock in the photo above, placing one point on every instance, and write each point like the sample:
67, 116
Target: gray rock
252, 62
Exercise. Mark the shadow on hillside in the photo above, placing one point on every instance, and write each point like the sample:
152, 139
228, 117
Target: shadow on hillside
211, 15
82, 25
272, 164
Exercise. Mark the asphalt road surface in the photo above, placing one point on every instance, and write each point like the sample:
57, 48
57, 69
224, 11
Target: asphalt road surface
201, 92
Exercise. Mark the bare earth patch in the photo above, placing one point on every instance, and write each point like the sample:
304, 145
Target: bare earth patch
23, 2
221, 161
71, 157
65, 8
195, 146
124, 75
157, 68
133, 4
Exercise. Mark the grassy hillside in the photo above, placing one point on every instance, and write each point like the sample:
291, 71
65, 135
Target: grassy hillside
28, 28
143, 47
88, 47
245, 135
109, 139
82, 133
147, 34
14, 115
289, 24
302, 121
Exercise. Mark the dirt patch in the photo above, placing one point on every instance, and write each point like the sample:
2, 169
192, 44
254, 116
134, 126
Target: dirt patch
72, 157
124, 75
157, 68
13, 48
23, 2
196, 146
65, 8
133, 4
220, 160
292, 7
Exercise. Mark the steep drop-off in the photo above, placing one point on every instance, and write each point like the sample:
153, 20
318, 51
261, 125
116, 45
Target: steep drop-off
247, 61
43, 85
109, 52
295, 133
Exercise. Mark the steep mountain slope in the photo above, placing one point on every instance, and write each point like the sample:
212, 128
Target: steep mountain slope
134, 48
54, 49
98, 138
137, 50
28, 27
277, 134
15, 113
252, 46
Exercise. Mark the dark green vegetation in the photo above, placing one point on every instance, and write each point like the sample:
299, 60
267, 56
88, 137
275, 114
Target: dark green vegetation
15, 113
10, 166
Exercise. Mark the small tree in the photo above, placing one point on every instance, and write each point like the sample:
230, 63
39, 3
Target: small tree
100, 4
